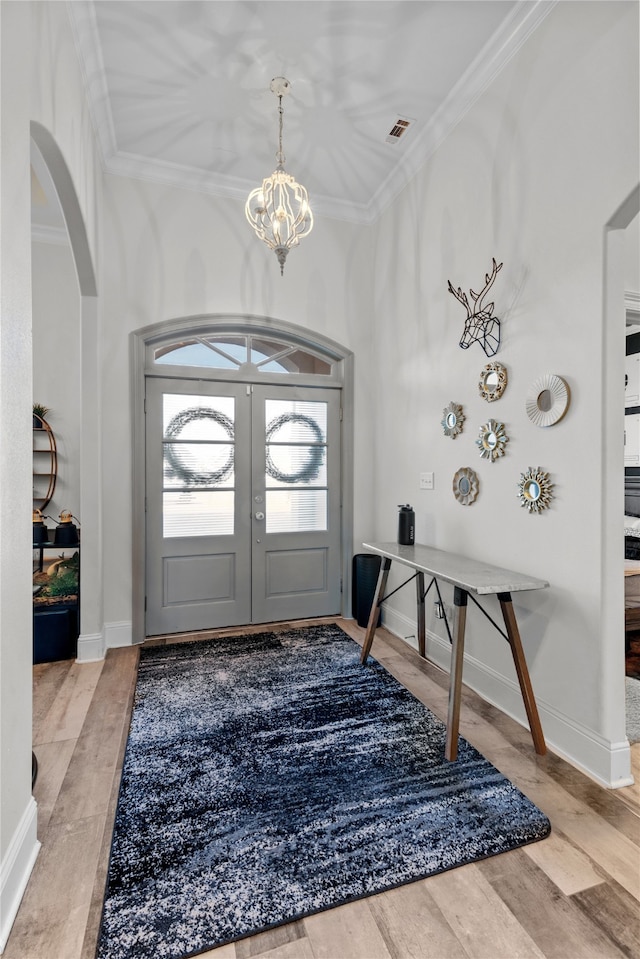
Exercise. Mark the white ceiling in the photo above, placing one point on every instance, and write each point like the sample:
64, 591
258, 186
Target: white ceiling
179, 89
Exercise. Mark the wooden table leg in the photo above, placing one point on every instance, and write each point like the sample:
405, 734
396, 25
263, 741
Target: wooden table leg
455, 677
375, 607
420, 612
523, 673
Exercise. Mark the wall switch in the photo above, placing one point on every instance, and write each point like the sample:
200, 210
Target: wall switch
426, 480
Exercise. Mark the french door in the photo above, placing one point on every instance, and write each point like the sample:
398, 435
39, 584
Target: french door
242, 503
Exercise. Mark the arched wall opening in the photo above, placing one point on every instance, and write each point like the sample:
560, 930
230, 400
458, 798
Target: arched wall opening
90, 641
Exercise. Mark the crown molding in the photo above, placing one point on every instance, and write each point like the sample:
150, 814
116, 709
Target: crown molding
523, 20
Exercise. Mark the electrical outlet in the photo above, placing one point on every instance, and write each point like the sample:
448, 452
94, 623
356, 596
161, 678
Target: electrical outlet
426, 480
438, 610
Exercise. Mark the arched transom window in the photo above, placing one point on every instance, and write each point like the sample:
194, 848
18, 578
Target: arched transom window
243, 353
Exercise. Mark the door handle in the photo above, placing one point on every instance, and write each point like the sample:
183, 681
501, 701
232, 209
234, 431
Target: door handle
258, 515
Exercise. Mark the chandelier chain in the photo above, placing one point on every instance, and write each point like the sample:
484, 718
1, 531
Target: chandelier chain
280, 157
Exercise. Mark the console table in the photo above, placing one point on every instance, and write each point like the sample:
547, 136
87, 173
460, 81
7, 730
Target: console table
468, 577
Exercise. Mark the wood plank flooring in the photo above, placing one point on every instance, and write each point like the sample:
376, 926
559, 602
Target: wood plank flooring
573, 896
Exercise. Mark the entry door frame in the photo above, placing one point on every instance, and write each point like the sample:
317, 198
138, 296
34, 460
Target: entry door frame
142, 343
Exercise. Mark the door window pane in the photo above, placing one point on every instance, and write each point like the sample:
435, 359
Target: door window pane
293, 421
296, 511
295, 466
197, 513
198, 465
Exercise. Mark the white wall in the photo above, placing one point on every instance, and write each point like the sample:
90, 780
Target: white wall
56, 364
61, 128
531, 176
58, 102
18, 841
170, 253
39, 81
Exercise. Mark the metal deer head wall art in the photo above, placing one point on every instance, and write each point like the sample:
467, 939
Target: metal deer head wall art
481, 326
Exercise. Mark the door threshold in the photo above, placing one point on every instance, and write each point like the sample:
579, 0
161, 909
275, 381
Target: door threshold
249, 629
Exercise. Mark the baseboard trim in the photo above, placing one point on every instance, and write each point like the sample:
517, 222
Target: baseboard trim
118, 634
91, 648
608, 763
16, 869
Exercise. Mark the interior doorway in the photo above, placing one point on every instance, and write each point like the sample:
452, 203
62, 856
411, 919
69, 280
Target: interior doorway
83, 328
632, 479
612, 686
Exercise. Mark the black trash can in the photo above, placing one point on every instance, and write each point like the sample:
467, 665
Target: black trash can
366, 567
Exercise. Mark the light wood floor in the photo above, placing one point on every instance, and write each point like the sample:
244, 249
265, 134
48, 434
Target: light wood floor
572, 896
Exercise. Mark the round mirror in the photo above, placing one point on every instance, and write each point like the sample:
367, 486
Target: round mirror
465, 486
452, 420
547, 400
493, 381
492, 440
531, 490
534, 490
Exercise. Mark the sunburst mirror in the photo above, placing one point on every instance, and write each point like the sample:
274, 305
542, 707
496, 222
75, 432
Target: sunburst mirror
535, 490
452, 420
493, 382
466, 485
492, 440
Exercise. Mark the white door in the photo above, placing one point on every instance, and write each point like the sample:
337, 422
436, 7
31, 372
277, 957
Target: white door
243, 504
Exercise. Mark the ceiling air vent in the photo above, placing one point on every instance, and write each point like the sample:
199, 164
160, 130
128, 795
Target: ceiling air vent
398, 129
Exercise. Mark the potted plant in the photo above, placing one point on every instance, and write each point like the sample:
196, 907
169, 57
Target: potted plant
39, 415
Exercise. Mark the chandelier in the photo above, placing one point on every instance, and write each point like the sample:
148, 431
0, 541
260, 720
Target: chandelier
279, 210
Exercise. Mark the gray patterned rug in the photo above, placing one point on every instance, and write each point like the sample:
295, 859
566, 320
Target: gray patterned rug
269, 777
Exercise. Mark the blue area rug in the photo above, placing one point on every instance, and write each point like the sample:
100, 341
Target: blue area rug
269, 777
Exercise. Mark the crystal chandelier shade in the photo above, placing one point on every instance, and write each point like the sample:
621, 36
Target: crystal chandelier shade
279, 210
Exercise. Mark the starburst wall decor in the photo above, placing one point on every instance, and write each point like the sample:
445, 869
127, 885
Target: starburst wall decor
535, 489
492, 440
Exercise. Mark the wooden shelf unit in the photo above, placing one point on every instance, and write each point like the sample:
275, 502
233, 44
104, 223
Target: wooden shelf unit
45, 463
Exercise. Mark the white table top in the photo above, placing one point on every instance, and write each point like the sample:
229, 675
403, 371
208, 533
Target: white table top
470, 574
